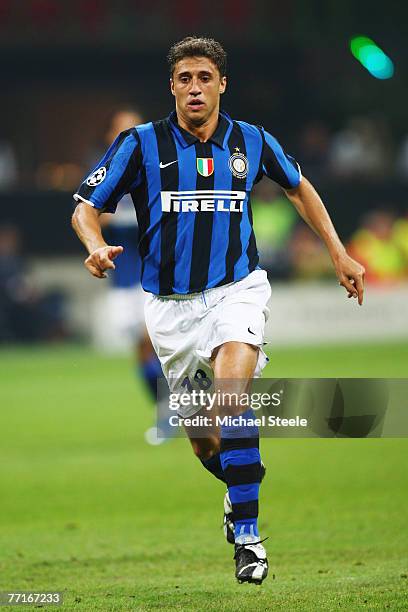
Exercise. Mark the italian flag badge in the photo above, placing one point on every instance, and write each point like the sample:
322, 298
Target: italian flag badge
205, 166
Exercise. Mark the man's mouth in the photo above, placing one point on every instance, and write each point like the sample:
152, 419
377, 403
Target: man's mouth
195, 105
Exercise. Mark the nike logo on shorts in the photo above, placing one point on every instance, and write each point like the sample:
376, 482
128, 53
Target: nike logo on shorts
161, 165
251, 332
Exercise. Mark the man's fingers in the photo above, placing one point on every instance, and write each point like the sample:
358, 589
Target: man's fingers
94, 266
351, 276
348, 285
354, 287
105, 263
360, 288
101, 260
94, 270
115, 251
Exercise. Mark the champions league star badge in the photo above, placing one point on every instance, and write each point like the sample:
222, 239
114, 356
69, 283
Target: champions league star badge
238, 164
96, 177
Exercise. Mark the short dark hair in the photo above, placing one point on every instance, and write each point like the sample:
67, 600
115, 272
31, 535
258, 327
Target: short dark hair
194, 46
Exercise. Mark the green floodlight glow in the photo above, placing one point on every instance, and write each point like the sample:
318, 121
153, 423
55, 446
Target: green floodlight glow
378, 64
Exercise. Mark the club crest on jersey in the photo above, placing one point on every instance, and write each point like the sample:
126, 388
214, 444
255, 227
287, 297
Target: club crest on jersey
205, 166
238, 164
96, 177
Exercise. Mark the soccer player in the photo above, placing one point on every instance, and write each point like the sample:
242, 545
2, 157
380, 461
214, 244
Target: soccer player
123, 310
190, 176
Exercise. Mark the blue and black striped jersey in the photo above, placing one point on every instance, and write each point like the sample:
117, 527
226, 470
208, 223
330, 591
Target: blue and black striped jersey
192, 198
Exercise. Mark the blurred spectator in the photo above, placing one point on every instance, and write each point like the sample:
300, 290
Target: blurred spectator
400, 237
26, 315
377, 245
402, 159
309, 256
119, 120
361, 149
288, 248
65, 176
58, 176
8, 165
314, 150
273, 220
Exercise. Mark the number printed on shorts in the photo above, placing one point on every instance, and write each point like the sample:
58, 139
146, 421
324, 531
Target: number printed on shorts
200, 377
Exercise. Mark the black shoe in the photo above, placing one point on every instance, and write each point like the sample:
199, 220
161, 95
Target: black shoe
251, 562
228, 523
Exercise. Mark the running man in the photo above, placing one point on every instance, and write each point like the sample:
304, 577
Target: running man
190, 177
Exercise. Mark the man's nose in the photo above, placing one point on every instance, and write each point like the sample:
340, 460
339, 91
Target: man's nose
195, 89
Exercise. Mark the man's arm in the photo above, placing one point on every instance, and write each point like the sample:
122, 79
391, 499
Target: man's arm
86, 224
311, 208
100, 191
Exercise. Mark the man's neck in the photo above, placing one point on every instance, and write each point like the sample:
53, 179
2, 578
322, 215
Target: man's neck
202, 132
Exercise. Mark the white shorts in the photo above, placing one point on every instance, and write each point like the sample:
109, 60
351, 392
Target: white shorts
185, 330
118, 319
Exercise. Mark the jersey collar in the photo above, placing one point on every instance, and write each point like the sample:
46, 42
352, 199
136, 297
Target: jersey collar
220, 136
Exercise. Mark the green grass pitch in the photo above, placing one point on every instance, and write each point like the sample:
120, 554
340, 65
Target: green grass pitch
87, 508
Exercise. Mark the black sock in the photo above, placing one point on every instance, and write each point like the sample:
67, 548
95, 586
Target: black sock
213, 465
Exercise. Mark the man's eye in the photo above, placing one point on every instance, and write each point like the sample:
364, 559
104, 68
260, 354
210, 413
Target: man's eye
184, 79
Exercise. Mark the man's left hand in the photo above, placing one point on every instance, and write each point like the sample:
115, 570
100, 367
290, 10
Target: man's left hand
351, 276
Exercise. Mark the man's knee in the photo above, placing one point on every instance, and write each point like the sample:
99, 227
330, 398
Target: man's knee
235, 360
205, 448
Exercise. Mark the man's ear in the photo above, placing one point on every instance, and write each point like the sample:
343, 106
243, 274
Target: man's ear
172, 86
223, 84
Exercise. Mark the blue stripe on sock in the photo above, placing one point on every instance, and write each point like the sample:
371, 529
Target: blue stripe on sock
245, 528
243, 456
244, 431
244, 493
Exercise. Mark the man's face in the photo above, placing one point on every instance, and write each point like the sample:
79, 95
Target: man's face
197, 86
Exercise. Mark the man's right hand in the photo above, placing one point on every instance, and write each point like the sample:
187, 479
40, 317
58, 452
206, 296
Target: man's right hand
102, 259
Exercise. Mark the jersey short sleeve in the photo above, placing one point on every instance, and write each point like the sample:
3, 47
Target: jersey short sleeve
116, 173
278, 165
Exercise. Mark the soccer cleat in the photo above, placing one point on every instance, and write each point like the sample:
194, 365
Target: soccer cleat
228, 522
251, 564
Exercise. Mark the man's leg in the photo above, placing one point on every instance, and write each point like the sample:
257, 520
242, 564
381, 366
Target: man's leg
206, 445
232, 454
234, 362
148, 363
234, 366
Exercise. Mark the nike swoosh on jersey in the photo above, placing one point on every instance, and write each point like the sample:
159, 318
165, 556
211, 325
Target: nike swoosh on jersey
161, 165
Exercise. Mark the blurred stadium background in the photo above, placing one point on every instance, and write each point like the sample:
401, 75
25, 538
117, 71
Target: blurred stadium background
69, 462
67, 66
